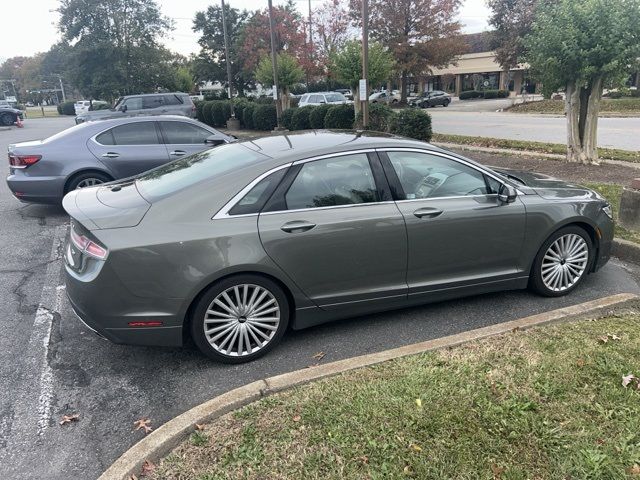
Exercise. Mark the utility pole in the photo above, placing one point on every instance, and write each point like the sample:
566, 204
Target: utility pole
365, 62
274, 63
226, 54
64, 97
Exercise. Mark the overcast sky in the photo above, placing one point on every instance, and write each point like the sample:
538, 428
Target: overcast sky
29, 25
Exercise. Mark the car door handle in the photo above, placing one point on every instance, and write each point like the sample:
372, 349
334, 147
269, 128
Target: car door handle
428, 212
297, 226
178, 152
110, 155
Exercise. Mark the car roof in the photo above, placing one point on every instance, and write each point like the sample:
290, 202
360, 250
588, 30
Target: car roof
292, 146
143, 118
157, 93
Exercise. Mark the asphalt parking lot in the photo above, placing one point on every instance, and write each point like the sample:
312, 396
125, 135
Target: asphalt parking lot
51, 365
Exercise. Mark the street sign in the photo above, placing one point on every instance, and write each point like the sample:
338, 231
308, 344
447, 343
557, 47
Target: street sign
362, 90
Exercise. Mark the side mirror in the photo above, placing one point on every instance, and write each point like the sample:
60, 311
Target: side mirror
507, 194
123, 108
213, 141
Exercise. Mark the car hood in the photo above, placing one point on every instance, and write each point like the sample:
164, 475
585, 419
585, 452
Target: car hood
116, 205
548, 187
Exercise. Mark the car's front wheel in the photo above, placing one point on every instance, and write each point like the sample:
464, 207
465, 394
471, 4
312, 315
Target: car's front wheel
562, 262
7, 119
240, 318
446, 103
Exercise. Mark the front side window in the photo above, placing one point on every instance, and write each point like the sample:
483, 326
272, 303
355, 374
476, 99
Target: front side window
152, 101
134, 103
346, 180
140, 133
182, 133
423, 175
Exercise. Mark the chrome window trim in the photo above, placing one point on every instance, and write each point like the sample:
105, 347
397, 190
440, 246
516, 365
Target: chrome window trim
331, 155
93, 138
330, 207
224, 211
452, 197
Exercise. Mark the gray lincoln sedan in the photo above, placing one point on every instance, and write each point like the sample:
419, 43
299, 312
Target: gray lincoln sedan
43, 171
234, 245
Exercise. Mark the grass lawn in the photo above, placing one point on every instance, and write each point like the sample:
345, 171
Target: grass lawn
36, 112
622, 106
546, 403
558, 148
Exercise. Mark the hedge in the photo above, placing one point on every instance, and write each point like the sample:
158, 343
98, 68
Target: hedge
317, 116
67, 108
264, 117
380, 117
247, 115
239, 104
483, 94
470, 94
287, 118
300, 118
220, 113
412, 123
339, 116
199, 111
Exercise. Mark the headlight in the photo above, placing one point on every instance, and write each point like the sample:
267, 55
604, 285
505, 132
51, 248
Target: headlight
607, 210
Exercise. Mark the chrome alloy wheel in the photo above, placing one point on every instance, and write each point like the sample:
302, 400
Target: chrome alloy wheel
89, 182
241, 320
564, 262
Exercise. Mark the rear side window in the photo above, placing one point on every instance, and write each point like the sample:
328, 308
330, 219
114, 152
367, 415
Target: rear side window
140, 133
255, 199
173, 100
152, 101
183, 133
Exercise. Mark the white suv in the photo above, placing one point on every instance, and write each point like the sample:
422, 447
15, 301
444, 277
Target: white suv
321, 98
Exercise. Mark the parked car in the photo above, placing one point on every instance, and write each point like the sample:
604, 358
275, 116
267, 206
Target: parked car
29, 104
321, 98
384, 97
235, 245
147, 104
97, 152
346, 92
431, 99
9, 115
84, 106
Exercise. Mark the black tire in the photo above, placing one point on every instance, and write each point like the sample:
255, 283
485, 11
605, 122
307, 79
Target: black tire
7, 119
197, 319
446, 103
536, 282
76, 180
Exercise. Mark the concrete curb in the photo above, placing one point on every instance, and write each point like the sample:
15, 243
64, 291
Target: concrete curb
626, 250
161, 441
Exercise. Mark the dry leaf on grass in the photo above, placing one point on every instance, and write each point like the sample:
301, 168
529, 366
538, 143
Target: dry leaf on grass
147, 468
297, 418
74, 417
627, 379
415, 448
635, 470
580, 362
497, 471
143, 423
419, 402
199, 427
132, 477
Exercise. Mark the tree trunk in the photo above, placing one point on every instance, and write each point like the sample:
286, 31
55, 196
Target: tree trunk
356, 100
403, 87
582, 106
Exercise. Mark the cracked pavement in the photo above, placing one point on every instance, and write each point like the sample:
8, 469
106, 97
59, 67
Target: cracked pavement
51, 365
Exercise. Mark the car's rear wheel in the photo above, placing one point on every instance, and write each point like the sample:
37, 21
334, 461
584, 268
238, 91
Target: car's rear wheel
446, 103
240, 318
7, 119
562, 262
88, 179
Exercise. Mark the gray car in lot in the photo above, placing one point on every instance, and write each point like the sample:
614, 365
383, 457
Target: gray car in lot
92, 153
176, 103
234, 245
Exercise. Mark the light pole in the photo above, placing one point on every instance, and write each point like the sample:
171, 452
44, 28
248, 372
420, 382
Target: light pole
64, 97
274, 63
226, 54
365, 62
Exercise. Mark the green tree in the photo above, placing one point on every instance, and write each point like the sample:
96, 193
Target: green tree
512, 20
580, 46
289, 73
114, 46
348, 66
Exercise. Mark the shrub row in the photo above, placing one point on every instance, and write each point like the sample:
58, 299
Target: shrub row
67, 108
411, 123
483, 94
259, 114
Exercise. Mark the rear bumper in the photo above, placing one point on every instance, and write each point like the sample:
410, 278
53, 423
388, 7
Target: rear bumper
102, 302
36, 189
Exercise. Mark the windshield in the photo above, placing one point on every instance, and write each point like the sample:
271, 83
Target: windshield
188, 171
117, 104
335, 97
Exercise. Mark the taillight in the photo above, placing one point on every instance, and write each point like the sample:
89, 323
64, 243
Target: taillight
87, 246
23, 161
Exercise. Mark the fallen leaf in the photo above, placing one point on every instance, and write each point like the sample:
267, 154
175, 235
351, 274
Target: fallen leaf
147, 468
132, 477
297, 418
613, 336
580, 362
497, 471
364, 459
319, 355
627, 379
407, 470
603, 339
199, 427
143, 423
635, 470
419, 402
69, 418
415, 448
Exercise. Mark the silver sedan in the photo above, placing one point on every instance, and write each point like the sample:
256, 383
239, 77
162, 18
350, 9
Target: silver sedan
92, 153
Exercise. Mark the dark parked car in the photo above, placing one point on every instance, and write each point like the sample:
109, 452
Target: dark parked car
9, 115
147, 104
431, 99
98, 152
236, 244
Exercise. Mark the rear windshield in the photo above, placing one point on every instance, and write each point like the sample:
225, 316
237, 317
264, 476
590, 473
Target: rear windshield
180, 174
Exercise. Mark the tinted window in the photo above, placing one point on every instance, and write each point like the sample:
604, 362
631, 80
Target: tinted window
253, 201
106, 138
190, 170
152, 101
172, 100
335, 97
140, 133
134, 103
305, 97
315, 99
335, 181
184, 133
430, 176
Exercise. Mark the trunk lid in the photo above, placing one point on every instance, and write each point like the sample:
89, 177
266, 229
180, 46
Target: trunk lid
117, 205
